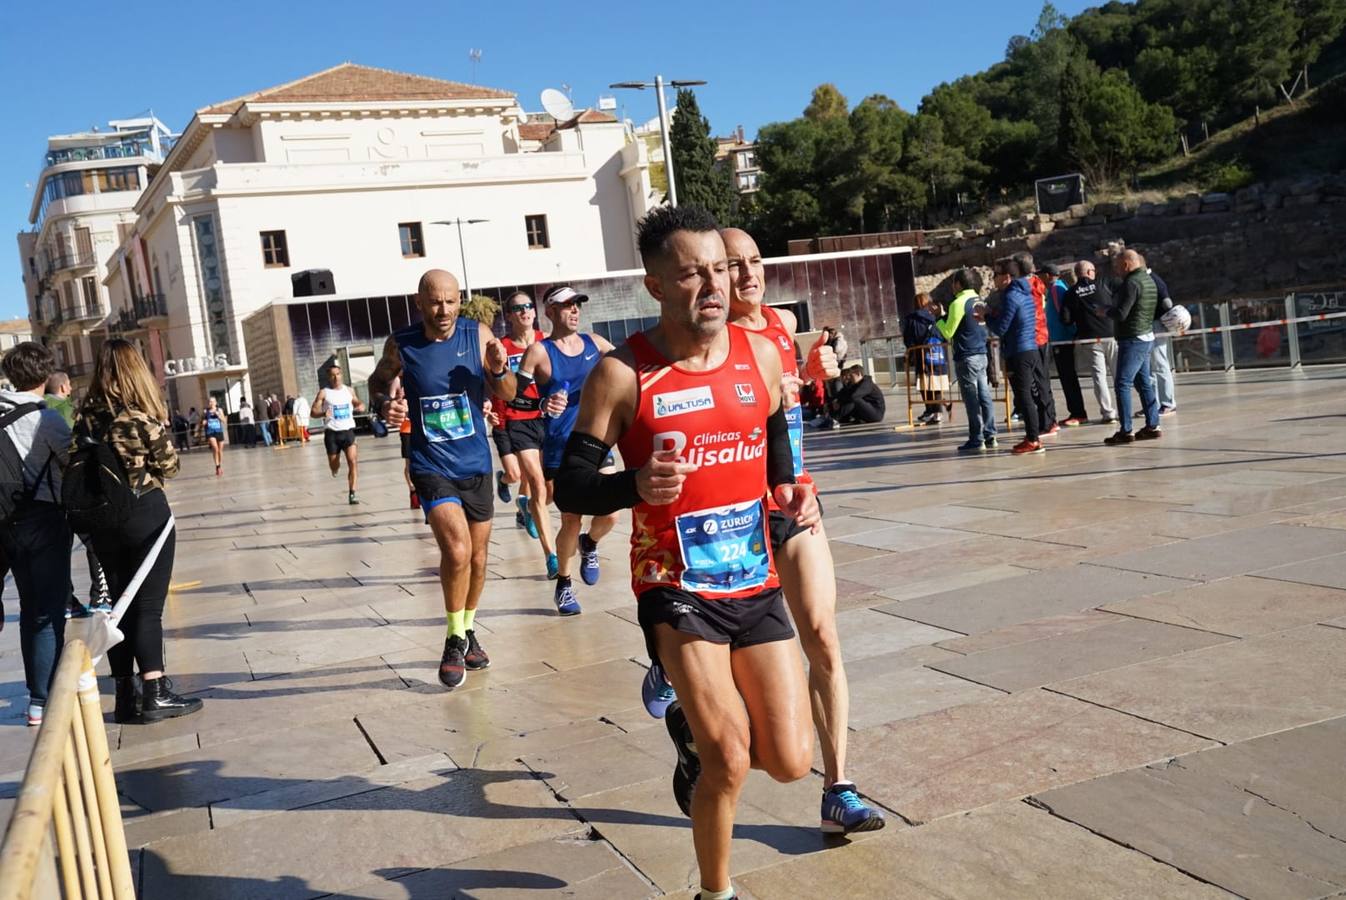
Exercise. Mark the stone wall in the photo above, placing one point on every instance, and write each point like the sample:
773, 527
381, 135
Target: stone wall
1262, 240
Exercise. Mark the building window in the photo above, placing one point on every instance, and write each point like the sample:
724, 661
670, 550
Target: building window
747, 181
275, 254
537, 232
746, 159
413, 244
90, 290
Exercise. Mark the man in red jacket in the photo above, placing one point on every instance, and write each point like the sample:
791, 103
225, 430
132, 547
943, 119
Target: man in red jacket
1025, 260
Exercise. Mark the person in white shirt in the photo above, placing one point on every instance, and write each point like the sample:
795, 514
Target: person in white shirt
248, 423
301, 417
337, 406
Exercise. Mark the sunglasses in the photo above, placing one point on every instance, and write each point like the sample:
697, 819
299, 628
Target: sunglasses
523, 308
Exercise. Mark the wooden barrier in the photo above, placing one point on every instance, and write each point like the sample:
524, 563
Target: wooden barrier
65, 837
930, 369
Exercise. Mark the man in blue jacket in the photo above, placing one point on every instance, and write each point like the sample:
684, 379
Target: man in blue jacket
1015, 323
963, 329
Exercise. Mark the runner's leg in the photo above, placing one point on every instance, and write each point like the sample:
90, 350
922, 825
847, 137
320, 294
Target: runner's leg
807, 577
334, 463
352, 466
600, 526
449, 526
567, 541
509, 464
480, 535
745, 708
530, 467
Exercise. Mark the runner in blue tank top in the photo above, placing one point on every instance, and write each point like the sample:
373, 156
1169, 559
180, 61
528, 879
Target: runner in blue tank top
437, 373
559, 365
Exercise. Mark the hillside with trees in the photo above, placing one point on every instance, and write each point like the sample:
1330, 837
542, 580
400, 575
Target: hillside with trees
1109, 93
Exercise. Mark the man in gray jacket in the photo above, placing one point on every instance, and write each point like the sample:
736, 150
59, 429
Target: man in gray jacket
37, 539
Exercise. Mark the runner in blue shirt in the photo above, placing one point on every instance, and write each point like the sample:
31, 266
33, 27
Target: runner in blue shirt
559, 365
437, 373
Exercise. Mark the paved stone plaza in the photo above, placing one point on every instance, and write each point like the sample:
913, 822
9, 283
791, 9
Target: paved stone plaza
1094, 673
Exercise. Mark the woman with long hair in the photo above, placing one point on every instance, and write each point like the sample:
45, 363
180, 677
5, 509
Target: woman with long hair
123, 409
212, 426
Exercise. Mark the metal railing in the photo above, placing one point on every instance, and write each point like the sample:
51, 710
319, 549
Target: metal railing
65, 836
70, 261
76, 312
929, 373
150, 306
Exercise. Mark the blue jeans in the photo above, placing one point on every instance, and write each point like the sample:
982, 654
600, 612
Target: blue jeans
976, 391
1133, 369
38, 547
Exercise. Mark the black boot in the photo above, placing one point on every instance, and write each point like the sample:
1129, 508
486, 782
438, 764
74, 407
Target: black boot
127, 708
161, 703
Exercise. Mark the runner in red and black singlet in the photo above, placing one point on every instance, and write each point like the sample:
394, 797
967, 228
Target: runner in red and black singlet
803, 555
696, 409
518, 436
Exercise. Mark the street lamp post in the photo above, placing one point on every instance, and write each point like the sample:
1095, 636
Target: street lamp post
658, 85
462, 254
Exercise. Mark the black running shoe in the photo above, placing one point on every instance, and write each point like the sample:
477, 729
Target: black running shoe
688, 769
452, 665
475, 657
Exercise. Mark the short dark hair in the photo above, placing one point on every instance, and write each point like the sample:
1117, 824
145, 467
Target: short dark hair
29, 365
659, 224
965, 279
1023, 261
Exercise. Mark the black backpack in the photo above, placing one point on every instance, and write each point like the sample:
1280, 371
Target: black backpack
15, 493
95, 491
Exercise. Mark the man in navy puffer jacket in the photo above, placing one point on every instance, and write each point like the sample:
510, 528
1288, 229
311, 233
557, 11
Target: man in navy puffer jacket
1015, 323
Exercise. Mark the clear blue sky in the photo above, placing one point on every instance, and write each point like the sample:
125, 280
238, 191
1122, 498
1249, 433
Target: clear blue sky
78, 64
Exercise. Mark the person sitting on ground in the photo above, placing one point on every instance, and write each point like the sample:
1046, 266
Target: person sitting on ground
859, 400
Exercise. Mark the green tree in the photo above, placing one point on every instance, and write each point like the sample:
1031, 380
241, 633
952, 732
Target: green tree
827, 103
1123, 131
699, 180
482, 308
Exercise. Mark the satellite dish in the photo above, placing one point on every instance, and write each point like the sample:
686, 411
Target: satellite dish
557, 105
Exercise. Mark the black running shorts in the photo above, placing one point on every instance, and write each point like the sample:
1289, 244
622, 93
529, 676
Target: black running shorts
337, 441
782, 527
759, 619
475, 494
526, 434
502, 445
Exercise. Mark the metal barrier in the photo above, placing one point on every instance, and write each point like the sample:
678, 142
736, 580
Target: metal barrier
65, 837
933, 368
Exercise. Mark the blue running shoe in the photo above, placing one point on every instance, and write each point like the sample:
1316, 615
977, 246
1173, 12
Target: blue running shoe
518, 519
656, 692
844, 811
501, 489
526, 517
688, 769
588, 560
552, 566
567, 604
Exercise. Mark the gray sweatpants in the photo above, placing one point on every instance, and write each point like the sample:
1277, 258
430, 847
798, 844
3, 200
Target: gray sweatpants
1100, 360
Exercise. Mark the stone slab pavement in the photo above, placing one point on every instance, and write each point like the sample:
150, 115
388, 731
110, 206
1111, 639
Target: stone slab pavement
1092, 673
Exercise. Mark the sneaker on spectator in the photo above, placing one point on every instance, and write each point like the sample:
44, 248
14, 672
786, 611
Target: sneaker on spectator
34, 715
1051, 432
1149, 434
1121, 437
972, 447
991, 443
1075, 422
1167, 410
1027, 446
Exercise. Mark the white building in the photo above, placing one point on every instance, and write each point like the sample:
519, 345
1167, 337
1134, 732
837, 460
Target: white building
348, 170
81, 211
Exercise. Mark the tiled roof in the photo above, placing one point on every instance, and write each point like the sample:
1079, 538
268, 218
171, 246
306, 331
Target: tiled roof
349, 83
536, 131
589, 117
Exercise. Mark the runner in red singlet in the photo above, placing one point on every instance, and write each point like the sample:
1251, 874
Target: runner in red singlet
803, 555
696, 408
518, 437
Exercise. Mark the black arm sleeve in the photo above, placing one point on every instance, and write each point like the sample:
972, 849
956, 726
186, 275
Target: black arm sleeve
780, 464
527, 404
582, 490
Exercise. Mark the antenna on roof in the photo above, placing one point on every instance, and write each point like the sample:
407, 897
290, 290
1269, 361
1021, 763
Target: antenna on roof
475, 56
557, 105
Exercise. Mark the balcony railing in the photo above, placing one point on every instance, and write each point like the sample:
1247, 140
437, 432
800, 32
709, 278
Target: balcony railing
124, 322
70, 261
76, 312
128, 149
151, 306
